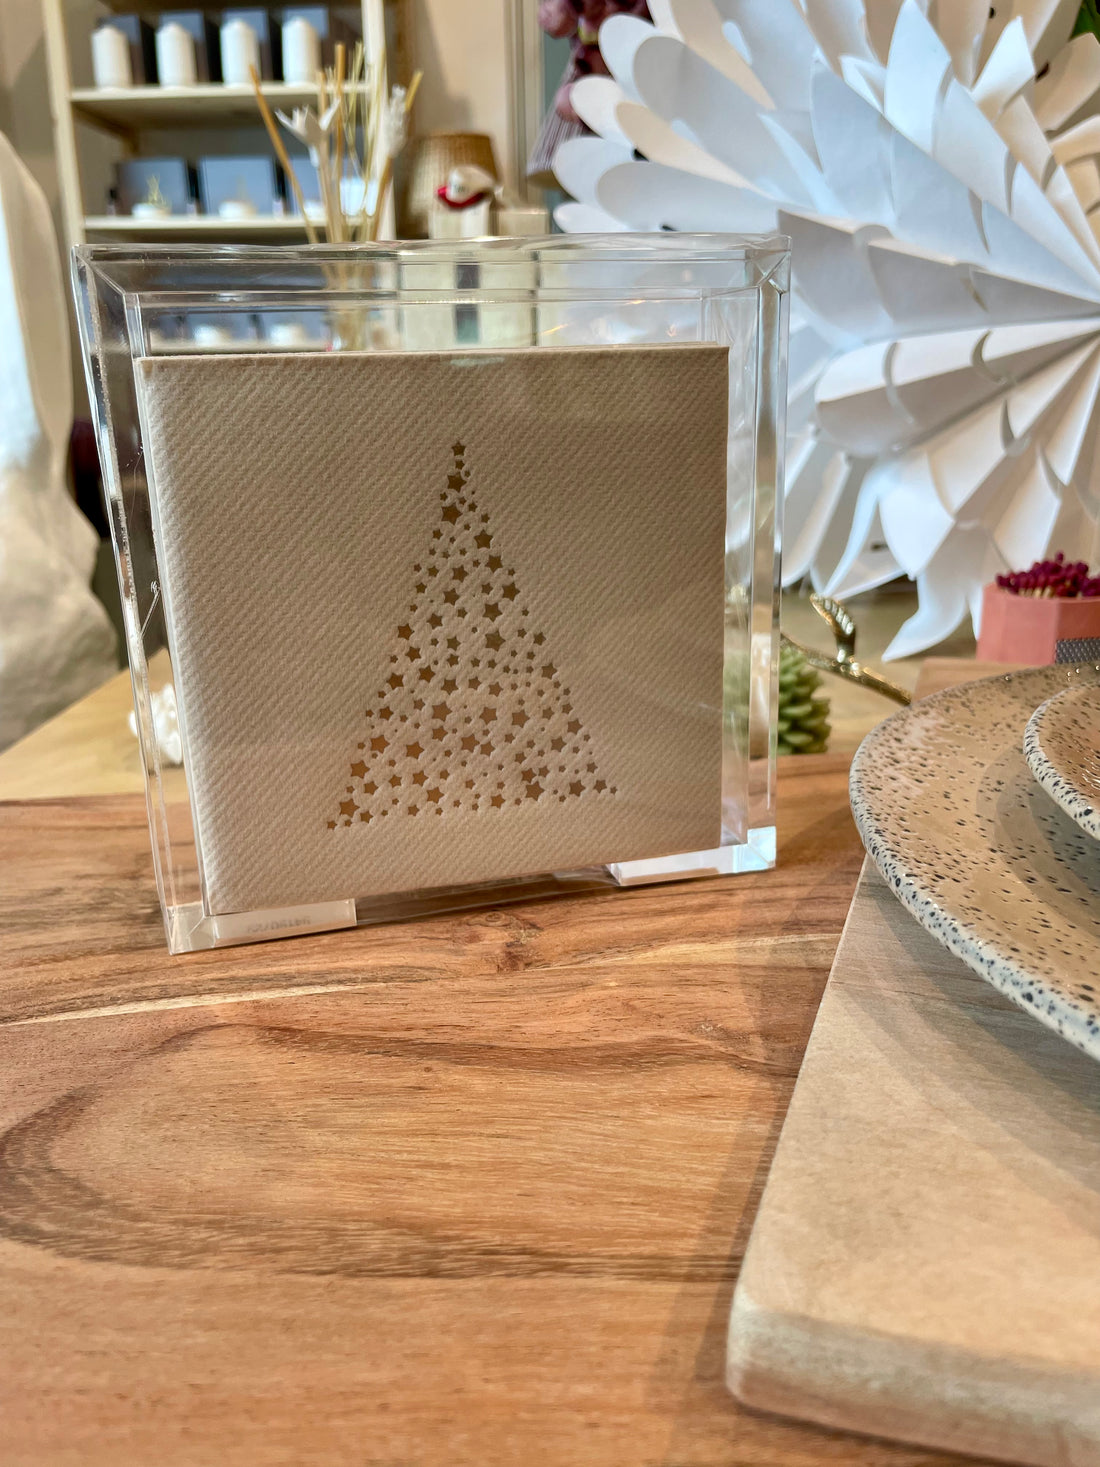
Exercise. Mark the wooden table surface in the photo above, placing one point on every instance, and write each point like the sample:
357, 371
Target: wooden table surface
472, 1189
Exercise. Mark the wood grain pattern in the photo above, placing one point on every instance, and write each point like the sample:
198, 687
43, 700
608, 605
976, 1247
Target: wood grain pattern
925, 1259
82, 930
471, 1190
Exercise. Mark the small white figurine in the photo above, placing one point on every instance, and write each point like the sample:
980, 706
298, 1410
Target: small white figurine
464, 204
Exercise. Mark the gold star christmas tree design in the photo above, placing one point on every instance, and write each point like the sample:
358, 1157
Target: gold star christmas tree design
474, 713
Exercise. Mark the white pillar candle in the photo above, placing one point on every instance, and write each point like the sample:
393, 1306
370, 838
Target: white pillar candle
301, 51
209, 334
111, 65
176, 66
288, 333
240, 50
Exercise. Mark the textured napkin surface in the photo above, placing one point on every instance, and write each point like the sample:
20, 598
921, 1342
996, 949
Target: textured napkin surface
439, 618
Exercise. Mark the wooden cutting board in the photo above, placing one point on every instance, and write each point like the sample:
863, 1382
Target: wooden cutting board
925, 1263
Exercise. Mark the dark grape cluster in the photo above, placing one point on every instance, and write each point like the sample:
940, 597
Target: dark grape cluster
579, 21
1057, 577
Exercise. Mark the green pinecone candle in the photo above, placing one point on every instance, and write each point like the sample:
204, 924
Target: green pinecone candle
803, 719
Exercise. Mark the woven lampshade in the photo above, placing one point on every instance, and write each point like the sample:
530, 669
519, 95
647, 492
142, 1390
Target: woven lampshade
431, 159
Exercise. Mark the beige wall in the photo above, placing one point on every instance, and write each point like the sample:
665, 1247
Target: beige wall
26, 119
25, 106
463, 48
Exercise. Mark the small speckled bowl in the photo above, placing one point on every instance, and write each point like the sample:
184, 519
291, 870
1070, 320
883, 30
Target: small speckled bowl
981, 856
1062, 749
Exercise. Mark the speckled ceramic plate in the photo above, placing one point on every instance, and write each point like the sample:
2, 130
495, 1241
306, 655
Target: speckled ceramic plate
981, 856
1062, 748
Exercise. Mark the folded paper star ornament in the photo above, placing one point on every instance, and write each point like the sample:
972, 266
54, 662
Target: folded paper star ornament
938, 169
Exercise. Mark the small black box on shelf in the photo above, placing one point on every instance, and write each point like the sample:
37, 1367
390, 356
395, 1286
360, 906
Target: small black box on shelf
162, 185
308, 182
239, 187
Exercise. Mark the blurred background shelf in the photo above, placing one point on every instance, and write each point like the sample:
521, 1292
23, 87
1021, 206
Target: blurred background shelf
207, 104
188, 226
96, 128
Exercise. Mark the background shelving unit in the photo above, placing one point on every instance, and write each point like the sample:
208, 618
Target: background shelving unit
128, 109
94, 126
285, 229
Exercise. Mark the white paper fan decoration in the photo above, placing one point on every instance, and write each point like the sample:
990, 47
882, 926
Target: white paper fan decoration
937, 165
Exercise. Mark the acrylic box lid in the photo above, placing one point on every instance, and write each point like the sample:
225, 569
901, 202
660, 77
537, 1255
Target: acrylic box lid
665, 265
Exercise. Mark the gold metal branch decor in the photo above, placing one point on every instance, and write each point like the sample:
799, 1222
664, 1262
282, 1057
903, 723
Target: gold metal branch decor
843, 662
360, 121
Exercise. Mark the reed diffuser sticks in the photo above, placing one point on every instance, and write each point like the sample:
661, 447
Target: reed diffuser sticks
359, 127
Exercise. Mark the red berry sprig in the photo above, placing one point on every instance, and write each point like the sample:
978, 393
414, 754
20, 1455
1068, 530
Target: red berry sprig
1057, 577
